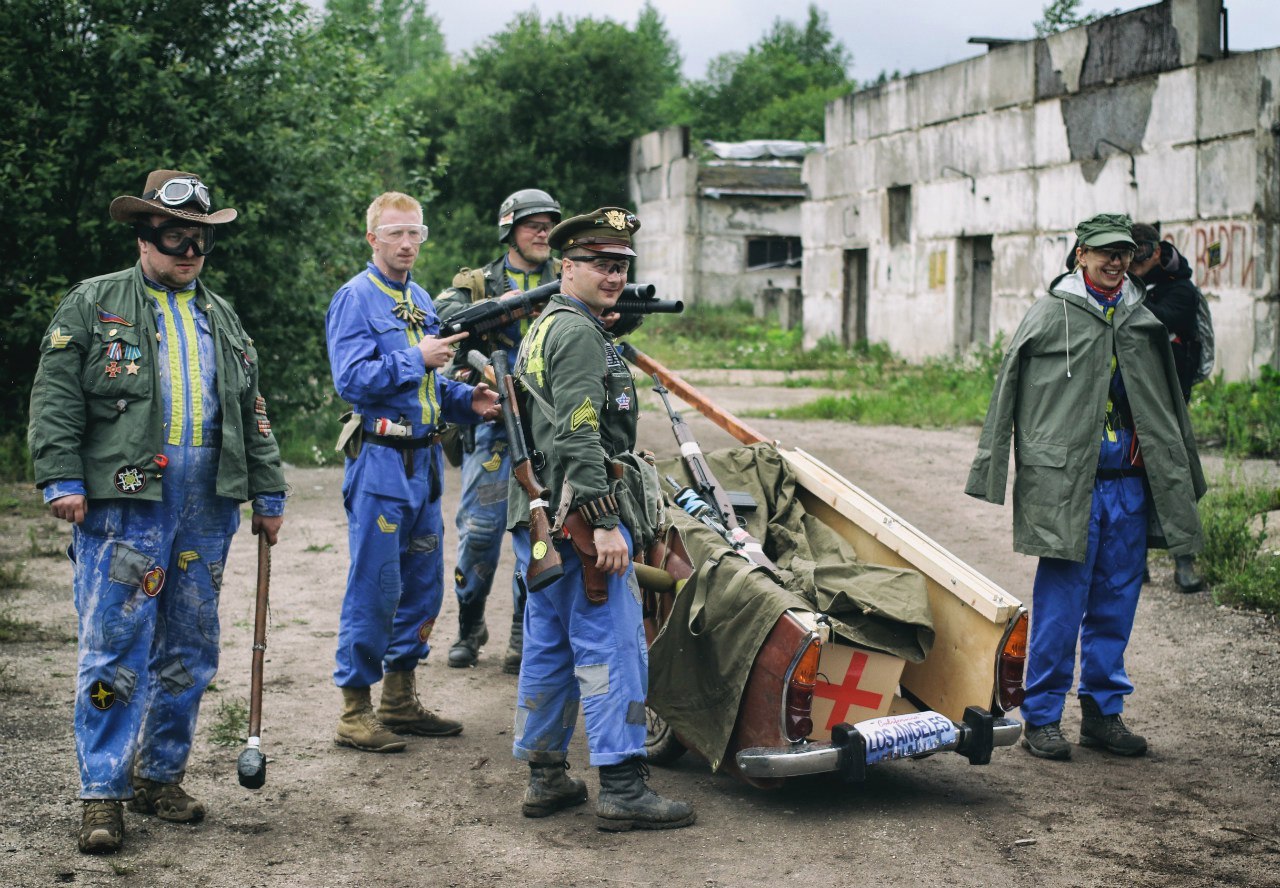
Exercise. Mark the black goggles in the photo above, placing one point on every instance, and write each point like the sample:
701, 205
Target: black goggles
1144, 252
181, 191
176, 237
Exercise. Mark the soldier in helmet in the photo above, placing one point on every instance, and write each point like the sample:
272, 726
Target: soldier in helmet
524, 221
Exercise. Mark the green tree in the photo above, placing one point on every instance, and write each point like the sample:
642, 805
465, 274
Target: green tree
1061, 15
777, 89
546, 104
277, 116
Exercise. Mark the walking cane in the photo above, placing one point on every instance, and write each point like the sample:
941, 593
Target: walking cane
252, 764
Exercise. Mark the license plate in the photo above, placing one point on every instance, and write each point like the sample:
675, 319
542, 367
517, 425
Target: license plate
902, 736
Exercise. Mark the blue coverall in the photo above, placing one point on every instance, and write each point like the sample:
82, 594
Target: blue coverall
486, 470
392, 497
602, 646
148, 574
1093, 601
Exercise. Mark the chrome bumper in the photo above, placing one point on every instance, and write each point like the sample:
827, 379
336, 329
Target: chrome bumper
847, 752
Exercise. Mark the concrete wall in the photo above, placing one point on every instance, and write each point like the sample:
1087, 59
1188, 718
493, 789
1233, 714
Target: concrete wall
692, 246
1136, 113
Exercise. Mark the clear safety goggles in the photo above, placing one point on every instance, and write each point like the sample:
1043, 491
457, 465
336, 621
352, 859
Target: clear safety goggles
181, 191
393, 234
603, 267
175, 237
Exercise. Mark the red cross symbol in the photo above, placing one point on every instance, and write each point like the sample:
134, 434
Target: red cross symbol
113, 369
847, 693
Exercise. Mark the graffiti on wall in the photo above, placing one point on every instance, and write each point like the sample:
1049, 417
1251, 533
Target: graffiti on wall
1221, 253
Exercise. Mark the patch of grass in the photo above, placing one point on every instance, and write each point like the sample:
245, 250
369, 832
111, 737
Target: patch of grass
1232, 561
1242, 418
13, 629
44, 542
7, 674
231, 723
307, 436
15, 459
314, 548
13, 573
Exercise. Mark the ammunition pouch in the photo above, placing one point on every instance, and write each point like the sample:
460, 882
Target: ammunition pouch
452, 445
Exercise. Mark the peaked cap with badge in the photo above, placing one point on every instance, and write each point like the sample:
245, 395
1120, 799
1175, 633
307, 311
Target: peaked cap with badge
607, 230
175, 194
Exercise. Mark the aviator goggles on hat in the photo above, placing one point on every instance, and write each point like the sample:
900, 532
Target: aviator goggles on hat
175, 237
180, 191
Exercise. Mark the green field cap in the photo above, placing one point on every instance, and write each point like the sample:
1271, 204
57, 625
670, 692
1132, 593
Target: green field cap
1105, 229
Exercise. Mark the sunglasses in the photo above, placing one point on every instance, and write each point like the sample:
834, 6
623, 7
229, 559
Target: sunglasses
175, 238
180, 191
1144, 252
393, 234
1114, 255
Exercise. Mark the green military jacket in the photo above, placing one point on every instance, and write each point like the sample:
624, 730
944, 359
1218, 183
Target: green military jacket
1050, 401
581, 408
88, 425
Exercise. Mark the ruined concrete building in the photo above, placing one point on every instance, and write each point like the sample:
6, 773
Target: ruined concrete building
942, 203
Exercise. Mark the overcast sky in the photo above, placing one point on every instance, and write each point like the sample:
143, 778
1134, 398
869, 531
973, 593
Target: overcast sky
907, 35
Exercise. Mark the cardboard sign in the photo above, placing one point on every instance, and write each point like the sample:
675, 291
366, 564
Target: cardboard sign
854, 684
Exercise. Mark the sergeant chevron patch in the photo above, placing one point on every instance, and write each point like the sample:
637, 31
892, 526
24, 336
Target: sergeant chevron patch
185, 559
386, 526
586, 413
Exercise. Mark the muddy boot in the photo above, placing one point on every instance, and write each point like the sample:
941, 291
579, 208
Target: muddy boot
625, 802
1046, 741
515, 647
359, 727
168, 801
1184, 574
1107, 731
551, 789
101, 826
472, 635
401, 711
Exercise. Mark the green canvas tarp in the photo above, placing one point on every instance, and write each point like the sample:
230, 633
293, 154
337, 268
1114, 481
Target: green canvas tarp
699, 663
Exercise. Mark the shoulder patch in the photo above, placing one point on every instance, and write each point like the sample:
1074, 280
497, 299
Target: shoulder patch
585, 414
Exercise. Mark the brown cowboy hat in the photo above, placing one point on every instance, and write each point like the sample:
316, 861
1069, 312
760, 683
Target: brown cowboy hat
184, 191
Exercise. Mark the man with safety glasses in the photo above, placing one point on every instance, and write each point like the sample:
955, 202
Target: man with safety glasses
525, 219
1106, 463
147, 432
582, 414
385, 355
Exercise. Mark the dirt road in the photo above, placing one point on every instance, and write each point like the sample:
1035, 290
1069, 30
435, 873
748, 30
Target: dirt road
1199, 810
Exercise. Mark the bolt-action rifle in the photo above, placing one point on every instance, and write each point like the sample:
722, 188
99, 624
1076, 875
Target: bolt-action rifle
706, 489
545, 566
482, 317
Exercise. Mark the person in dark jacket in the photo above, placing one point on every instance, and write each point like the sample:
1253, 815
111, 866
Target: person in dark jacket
147, 432
1173, 298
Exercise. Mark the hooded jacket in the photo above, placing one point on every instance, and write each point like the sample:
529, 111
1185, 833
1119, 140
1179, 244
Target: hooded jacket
1173, 298
1050, 401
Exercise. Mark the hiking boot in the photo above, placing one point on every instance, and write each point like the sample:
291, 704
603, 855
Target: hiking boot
101, 826
1184, 574
551, 789
1107, 731
359, 728
168, 801
1046, 741
515, 647
473, 634
402, 712
625, 802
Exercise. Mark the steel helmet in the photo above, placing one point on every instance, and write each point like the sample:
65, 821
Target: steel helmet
525, 202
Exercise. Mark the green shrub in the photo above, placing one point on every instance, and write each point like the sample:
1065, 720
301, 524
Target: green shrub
1232, 562
1241, 418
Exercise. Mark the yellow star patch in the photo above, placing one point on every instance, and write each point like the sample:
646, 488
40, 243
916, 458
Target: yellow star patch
585, 413
386, 526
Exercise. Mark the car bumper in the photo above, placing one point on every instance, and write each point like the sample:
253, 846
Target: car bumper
854, 747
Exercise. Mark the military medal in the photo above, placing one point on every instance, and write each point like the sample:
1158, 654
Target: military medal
264, 427
131, 369
113, 369
153, 581
130, 479
132, 352
115, 350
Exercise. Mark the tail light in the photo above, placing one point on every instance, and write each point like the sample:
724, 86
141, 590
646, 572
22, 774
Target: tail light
1011, 665
800, 685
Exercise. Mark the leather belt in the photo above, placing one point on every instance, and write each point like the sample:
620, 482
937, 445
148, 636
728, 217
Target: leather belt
1127, 472
403, 443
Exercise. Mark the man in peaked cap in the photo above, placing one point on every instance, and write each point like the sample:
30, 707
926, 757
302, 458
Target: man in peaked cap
525, 219
1106, 461
147, 432
582, 416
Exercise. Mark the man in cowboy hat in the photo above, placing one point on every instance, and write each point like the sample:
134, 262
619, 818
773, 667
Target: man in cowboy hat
582, 416
147, 432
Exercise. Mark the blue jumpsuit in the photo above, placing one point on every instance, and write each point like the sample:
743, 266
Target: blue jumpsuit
392, 497
148, 574
486, 471
1093, 601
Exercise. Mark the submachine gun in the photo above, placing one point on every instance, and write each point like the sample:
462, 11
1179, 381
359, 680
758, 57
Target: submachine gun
482, 317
